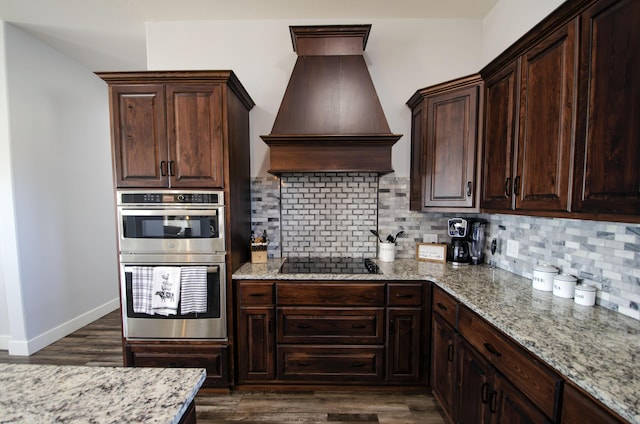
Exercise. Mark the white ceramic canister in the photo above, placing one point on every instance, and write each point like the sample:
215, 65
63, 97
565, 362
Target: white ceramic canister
543, 277
564, 285
585, 295
387, 251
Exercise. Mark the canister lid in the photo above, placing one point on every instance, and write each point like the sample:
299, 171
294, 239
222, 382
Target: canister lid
565, 277
545, 268
585, 287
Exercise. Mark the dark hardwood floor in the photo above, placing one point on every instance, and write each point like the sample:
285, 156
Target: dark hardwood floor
98, 344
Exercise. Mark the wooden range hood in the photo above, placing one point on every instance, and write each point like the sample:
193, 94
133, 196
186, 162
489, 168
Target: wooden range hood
330, 118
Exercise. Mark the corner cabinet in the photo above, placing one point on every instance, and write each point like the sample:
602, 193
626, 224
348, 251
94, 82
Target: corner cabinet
331, 332
445, 125
478, 375
169, 129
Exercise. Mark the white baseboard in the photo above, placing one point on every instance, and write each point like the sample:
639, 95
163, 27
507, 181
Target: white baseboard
29, 347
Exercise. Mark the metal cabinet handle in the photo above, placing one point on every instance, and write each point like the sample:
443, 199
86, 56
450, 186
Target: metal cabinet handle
450, 353
484, 392
493, 402
358, 326
172, 171
304, 364
358, 365
404, 295
256, 294
492, 349
507, 187
304, 326
441, 306
469, 186
516, 186
163, 168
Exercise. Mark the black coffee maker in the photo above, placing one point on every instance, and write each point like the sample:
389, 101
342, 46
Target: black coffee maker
458, 231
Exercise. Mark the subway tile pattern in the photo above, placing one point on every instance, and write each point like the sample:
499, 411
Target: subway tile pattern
309, 215
328, 214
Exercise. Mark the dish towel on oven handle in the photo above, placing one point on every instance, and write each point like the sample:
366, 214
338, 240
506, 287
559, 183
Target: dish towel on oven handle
141, 288
166, 290
193, 290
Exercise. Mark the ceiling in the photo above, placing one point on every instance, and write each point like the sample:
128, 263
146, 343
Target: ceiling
110, 34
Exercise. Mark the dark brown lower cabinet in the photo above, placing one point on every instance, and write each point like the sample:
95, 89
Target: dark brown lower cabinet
444, 354
213, 357
332, 332
404, 344
256, 350
487, 397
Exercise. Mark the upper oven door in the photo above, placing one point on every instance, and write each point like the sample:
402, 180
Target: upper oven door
173, 230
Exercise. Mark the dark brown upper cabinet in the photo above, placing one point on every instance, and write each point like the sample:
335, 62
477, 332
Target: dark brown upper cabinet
607, 160
444, 146
169, 129
529, 127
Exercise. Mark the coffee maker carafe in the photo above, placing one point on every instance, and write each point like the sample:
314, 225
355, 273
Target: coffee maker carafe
476, 234
458, 231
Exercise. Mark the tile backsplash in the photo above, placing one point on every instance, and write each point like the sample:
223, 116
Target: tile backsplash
330, 214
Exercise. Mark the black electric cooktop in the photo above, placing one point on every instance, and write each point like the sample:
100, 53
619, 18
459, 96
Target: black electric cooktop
329, 266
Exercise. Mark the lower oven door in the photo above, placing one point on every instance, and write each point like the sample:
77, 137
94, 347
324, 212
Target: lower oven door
153, 309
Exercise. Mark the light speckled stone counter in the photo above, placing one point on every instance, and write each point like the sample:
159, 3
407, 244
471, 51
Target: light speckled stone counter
595, 348
68, 394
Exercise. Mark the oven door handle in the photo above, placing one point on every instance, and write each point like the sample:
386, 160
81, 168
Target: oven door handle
210, 269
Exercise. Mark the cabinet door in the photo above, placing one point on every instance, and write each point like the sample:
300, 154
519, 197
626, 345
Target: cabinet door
194, 127
607, 166
542, 176
443, 365
404, 353
509, 406
139, 135
417, 158
256, 340
501, 102
474, 386
450, 152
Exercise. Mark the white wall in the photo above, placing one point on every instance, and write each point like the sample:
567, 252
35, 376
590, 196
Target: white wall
508, 21
402, 55
60, 270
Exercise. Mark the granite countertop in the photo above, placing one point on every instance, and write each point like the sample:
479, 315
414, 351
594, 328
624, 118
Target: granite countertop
595, 348
75, 394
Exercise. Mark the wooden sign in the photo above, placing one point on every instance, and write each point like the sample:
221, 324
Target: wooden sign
431, 252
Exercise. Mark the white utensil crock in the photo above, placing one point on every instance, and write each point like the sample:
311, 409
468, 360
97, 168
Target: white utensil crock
387, 251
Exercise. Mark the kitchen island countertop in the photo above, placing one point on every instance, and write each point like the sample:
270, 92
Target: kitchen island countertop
82, 394
593, 347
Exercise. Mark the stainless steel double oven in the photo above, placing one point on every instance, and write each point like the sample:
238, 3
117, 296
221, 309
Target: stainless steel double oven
182, 231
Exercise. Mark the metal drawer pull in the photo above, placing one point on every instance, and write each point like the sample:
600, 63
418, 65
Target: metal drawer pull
358, 326
256, 294
404, 295
304, 364
441, 306
304, 326
358, 365
492, 349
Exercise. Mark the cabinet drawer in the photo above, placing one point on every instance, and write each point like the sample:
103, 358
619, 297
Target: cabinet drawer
255, 293
330, 294
578, 408
405, 294
214, 360
331, 325
446, 306
344, 364
532, 377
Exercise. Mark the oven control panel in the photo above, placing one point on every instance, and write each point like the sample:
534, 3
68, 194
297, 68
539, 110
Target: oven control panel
170, 197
